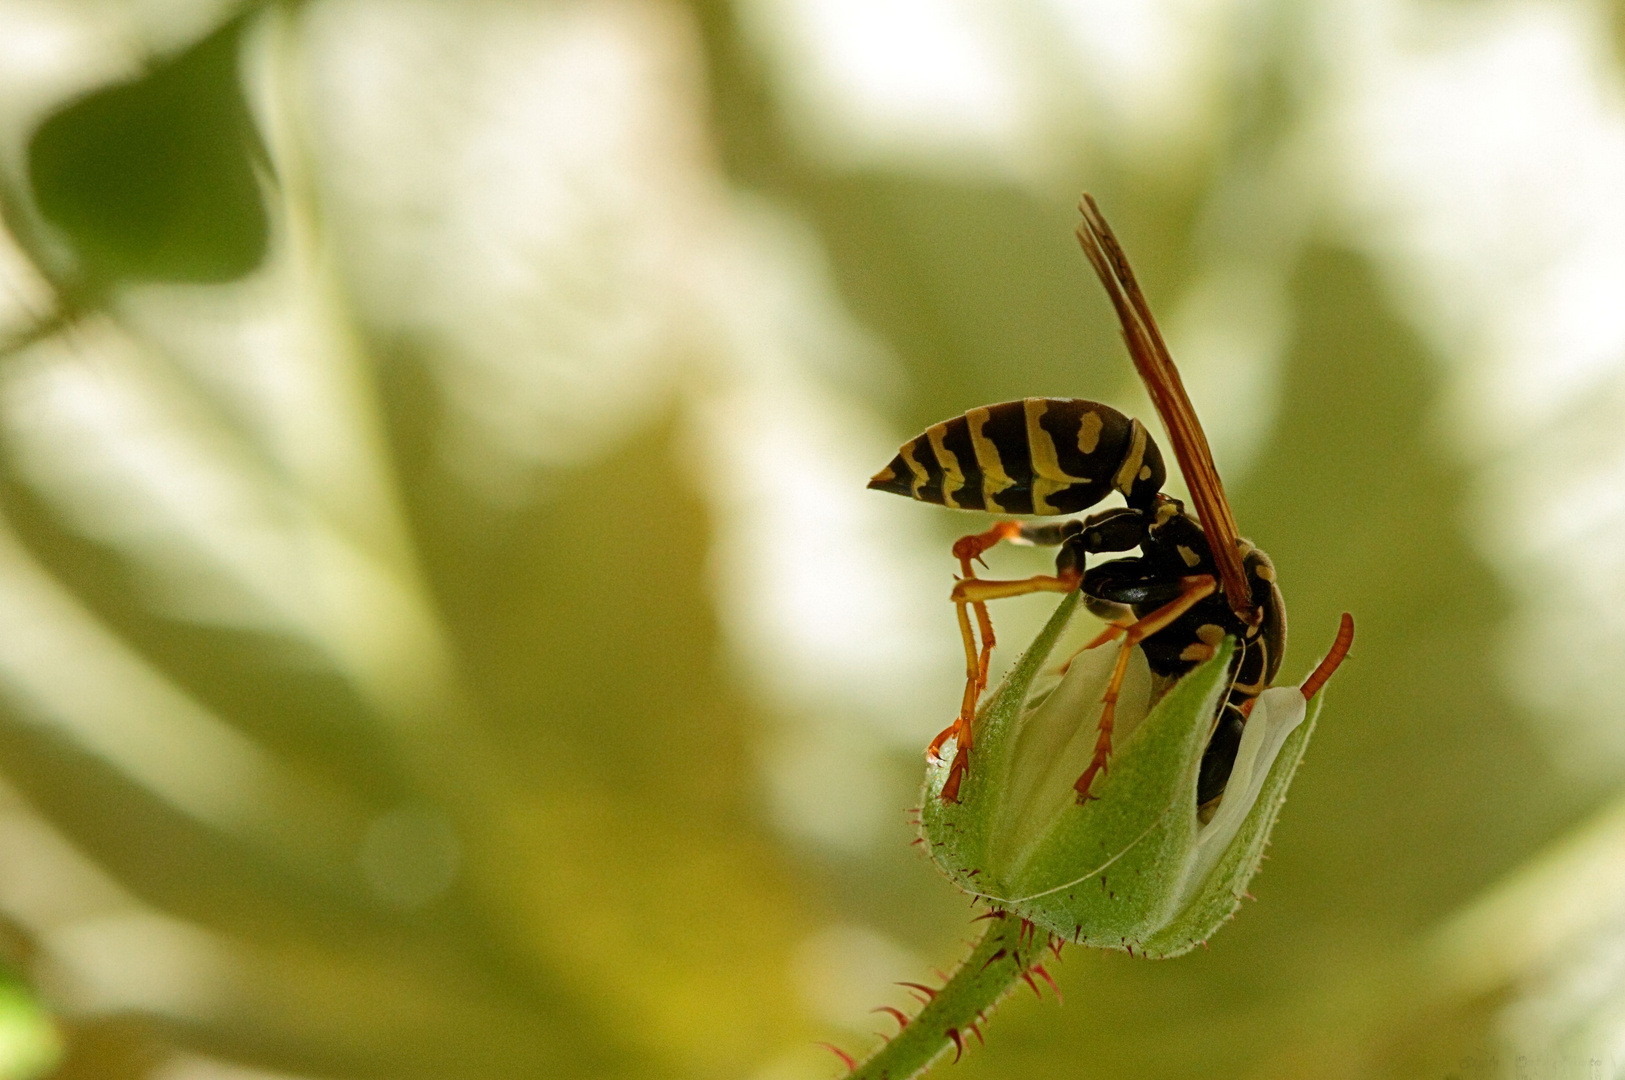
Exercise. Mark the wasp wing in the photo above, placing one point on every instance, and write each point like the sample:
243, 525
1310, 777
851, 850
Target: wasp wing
1173, 405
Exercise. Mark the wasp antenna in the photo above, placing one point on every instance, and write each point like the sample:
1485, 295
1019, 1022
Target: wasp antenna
1167, 391
1334, 659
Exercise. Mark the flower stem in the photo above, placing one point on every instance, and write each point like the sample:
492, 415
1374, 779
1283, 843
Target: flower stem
1008, 951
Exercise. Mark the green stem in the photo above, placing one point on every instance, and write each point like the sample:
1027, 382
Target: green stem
1009, 950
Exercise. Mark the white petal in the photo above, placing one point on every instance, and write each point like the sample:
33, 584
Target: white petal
1276, 715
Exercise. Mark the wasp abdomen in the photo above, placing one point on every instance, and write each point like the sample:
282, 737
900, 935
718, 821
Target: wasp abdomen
1034, 456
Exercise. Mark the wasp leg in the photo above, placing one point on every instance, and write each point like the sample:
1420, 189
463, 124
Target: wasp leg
1109, 633
1111, 530
981, 590
959, 730
978, 659
974, 592
966, 549
1192, 591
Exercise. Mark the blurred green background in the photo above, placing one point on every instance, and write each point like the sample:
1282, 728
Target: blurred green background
443, 629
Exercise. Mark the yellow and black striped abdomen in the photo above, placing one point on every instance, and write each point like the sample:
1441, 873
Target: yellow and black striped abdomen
1034, 456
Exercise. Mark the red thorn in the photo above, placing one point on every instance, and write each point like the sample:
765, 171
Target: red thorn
1042, 974
916, 840
1249, 896
1203, 943
926, 990
1129, 947
895, 1014
845, 1057
976, 1031
959, 1043
1000, 955
989, 915
1027, 975
1055, 943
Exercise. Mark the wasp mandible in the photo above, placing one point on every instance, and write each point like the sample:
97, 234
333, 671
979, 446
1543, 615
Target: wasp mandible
1194, 582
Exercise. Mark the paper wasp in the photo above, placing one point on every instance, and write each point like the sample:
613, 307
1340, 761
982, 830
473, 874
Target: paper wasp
1194, 581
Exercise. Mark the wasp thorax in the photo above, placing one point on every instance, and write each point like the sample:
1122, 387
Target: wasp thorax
1135, 867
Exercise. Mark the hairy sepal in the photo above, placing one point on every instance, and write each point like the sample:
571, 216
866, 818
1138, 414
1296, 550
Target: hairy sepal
1132, 868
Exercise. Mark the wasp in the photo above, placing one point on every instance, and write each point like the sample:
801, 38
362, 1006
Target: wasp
1194, 581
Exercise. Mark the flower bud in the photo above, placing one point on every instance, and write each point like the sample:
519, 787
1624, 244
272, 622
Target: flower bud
1134, 867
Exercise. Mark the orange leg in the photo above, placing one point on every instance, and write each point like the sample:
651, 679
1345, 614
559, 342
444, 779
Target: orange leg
1109, 633
974, 592
1194, 589
967, 548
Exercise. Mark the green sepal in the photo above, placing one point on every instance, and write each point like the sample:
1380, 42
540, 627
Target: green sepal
1127, 869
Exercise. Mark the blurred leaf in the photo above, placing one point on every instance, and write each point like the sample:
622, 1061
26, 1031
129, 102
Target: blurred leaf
29, 1043
545, 856
155, 179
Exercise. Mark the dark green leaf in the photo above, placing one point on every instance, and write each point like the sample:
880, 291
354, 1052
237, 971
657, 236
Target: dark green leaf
154, 179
